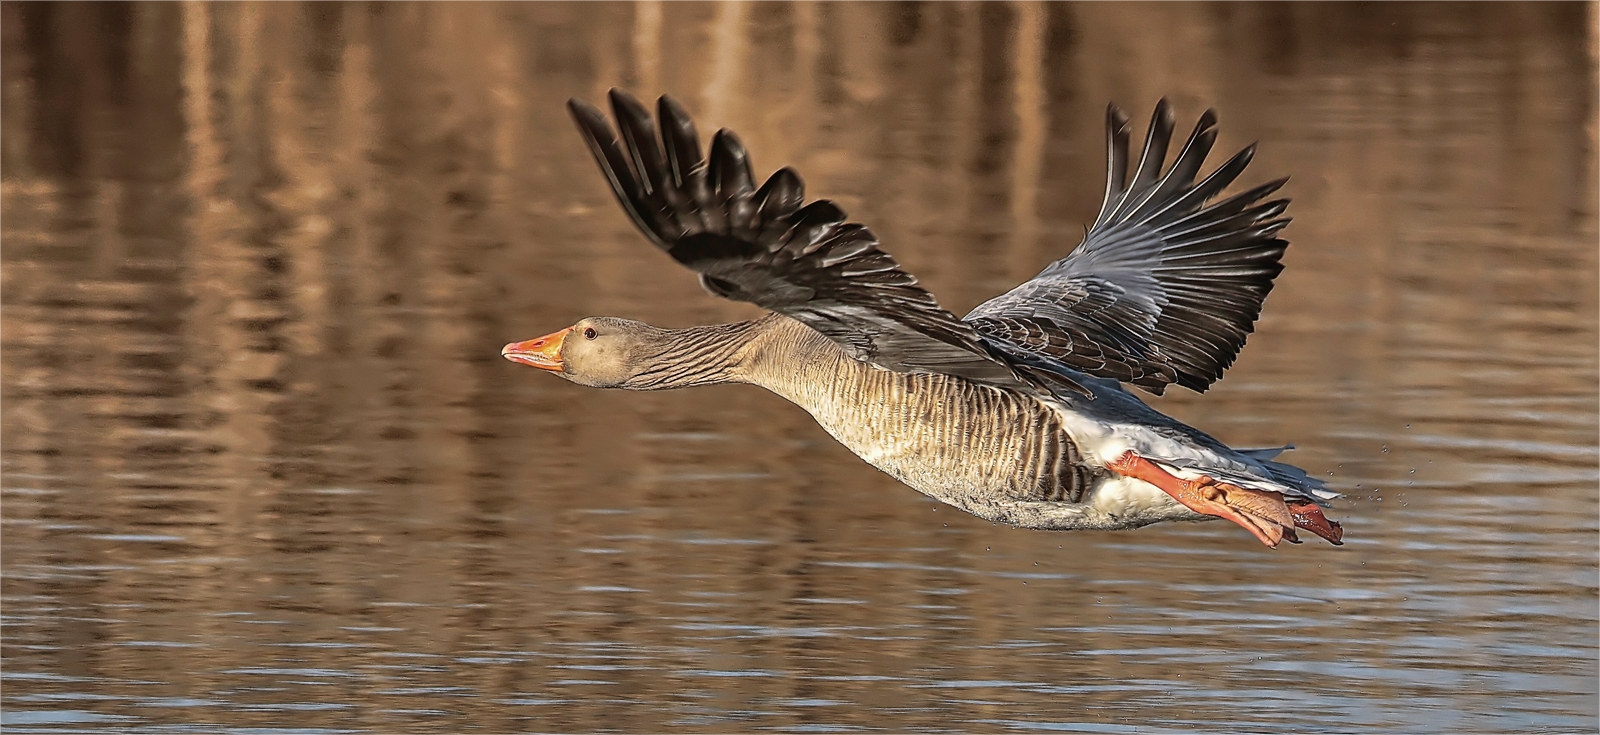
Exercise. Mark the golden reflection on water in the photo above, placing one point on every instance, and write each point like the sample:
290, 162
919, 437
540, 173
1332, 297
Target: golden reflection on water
263, 465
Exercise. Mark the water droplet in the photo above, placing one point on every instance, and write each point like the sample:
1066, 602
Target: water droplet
1408, 426
1386, 449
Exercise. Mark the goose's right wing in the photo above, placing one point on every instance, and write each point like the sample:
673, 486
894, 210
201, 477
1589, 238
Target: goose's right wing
768, 247
1164, 289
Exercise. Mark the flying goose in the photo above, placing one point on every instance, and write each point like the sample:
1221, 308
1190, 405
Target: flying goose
1014, 413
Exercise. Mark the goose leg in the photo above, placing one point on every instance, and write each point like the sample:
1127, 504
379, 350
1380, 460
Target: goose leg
1260, 512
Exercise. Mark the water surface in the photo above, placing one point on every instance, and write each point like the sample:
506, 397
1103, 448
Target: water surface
264, 468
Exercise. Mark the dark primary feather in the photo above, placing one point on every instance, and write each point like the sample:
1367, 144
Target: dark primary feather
767, 247
1164, 289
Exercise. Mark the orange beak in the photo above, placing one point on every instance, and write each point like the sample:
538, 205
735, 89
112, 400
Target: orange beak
543, 353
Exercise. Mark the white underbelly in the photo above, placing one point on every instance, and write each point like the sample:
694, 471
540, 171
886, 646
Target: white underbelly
1135, 500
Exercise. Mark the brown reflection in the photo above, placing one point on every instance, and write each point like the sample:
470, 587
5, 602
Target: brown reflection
258, 260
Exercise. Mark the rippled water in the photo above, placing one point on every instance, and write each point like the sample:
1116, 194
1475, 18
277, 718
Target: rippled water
264, 468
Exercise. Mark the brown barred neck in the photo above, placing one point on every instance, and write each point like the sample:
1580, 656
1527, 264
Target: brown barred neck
693, 356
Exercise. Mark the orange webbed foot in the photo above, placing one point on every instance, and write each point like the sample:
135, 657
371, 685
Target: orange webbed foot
1309, 517
1260, 512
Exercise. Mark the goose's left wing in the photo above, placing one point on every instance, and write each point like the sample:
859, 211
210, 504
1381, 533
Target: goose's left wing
768, 247
1166, 285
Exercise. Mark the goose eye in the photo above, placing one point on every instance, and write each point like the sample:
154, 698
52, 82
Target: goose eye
589, 333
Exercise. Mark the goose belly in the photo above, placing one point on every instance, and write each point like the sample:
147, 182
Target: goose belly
959, 442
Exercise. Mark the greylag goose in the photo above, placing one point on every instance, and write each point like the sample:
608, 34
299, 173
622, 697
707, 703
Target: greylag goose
1015, 413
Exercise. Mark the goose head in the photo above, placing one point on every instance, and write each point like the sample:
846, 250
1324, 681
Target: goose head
608, 352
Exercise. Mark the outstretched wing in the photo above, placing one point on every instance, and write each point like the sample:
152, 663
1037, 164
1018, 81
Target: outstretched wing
768, 247
1164, 289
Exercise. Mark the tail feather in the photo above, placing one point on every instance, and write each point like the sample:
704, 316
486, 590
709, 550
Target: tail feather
1291, 475
1265, 453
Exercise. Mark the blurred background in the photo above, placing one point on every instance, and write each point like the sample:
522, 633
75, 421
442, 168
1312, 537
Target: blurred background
264, 468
